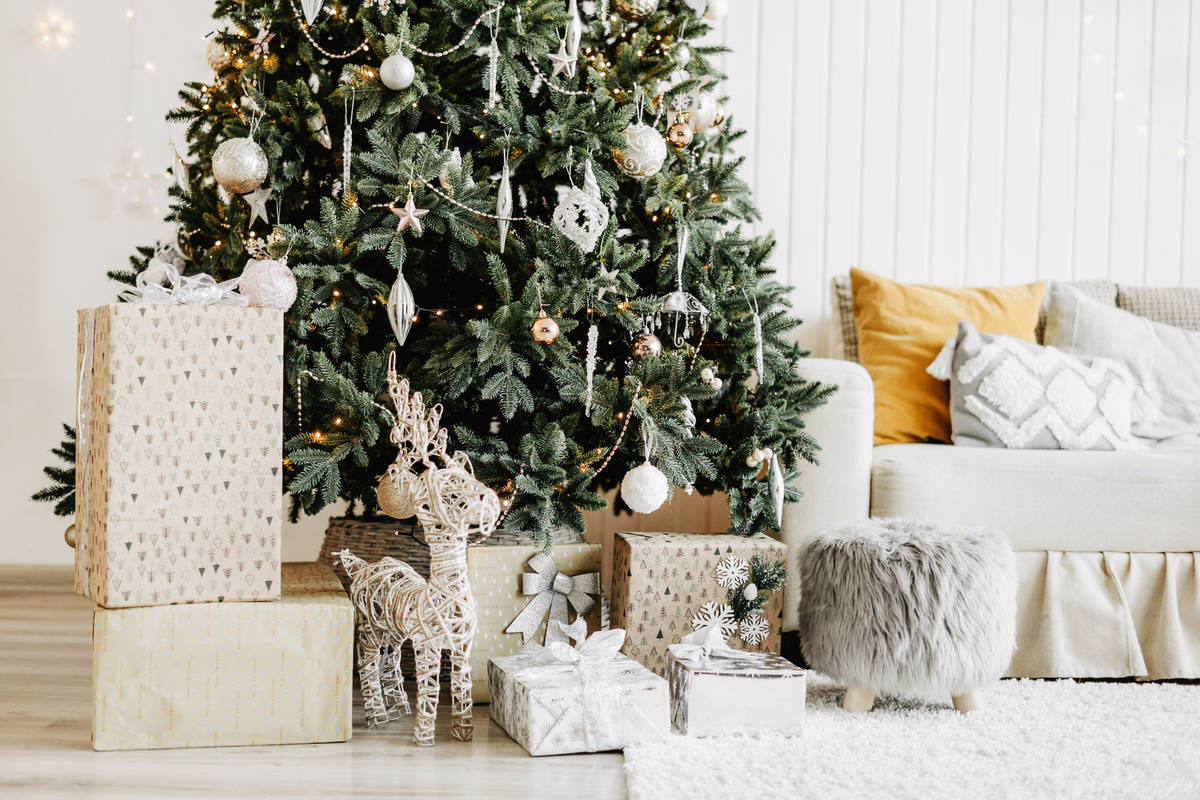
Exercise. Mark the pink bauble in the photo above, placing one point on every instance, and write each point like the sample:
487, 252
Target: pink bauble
268, 284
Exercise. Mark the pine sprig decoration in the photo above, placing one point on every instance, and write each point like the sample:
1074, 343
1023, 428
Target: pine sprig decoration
61, 490
768, 575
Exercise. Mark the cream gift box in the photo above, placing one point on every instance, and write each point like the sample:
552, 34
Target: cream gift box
716, 691
553, 706
178, 485
210, 674
496, 574
661, 580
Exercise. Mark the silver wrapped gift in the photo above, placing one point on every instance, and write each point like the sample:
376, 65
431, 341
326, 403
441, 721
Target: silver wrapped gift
585, 699
716, 690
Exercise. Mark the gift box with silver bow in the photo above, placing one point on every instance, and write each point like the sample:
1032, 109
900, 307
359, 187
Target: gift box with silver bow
518, 591
584, 699
716, 690
179, 467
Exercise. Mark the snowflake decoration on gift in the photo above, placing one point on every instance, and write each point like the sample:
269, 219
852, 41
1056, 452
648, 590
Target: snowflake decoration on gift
711, 612
733, 571
754, 629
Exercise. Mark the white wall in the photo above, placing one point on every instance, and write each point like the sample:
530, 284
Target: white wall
952, 141
971, 141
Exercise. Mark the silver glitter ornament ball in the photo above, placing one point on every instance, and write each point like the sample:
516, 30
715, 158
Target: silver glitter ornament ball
268, 284
240, 165
636, 9
644, 153
397, 72
216, 55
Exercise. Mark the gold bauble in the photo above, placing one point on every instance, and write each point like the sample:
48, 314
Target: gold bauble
646, 344
680, 133
635, 9
394, 500
69, 535
544, 329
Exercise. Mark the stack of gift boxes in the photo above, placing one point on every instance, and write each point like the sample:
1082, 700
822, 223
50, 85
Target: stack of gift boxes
201, 636
686, 661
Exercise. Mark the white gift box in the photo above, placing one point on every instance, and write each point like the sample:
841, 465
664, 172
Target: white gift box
551, 707
718, 691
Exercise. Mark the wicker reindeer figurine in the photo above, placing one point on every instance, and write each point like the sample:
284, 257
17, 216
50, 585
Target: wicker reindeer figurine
395, 604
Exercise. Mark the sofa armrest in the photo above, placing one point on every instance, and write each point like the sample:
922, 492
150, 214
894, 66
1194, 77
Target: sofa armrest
838, 489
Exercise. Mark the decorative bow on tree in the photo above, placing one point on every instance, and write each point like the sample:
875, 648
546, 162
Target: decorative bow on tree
552, 593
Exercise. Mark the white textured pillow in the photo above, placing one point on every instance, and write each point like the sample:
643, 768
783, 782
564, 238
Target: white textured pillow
1005, 392
1164, 360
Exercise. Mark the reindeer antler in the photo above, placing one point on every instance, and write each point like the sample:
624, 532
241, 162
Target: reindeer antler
417, 431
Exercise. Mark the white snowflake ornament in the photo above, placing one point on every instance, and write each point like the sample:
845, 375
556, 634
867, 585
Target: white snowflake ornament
720, 614
732, 572
754, 629
581, 215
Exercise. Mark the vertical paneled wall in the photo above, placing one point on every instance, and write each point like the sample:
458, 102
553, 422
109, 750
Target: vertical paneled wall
969, 141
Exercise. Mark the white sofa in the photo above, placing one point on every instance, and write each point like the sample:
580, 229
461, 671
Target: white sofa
1108, 544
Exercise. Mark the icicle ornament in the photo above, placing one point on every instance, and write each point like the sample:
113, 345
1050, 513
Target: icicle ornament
493, 54
347, 141
758, 334
504, 202
593, 339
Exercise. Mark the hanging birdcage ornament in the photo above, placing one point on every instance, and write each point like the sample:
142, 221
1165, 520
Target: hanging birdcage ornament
682, 310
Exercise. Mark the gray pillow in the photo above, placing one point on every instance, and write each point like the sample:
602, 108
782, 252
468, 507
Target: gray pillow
1005, 392
1164, 360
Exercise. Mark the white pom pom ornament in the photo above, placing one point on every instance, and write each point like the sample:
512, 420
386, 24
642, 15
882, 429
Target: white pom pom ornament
268, 284
645, 488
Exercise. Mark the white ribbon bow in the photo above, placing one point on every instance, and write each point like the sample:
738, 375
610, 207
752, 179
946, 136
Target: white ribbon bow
601, 710
706, 643
160, 282
552, 592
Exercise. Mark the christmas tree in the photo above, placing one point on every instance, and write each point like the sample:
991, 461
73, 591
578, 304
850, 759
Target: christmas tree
534, 204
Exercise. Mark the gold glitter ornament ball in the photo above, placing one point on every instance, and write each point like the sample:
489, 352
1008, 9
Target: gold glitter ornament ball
646, 345
636, 9
216, 55
240, 165
680, 134
545, 329
394, 500
644, 152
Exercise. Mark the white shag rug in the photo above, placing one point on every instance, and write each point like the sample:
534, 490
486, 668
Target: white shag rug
1031, 739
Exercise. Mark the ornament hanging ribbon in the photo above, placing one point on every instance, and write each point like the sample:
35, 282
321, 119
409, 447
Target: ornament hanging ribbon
590, 658
552, 593
161, 282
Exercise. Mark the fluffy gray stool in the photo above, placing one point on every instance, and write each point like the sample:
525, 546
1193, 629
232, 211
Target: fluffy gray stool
899, 607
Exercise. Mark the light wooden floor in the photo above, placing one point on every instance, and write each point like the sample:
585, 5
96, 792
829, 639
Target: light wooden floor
45, 725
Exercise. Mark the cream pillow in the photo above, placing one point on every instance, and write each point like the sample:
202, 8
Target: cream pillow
1164, 360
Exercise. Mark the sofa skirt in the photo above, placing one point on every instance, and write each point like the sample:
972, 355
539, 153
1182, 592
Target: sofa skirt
1107, 615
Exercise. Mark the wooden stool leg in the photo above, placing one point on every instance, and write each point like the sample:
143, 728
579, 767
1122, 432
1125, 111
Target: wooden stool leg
858, 699
966, 702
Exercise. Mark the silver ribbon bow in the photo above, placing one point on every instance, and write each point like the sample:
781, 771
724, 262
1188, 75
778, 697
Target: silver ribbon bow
552, 593
160, 282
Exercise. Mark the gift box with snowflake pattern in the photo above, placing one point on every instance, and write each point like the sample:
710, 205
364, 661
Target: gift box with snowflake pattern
179, 477
665, 585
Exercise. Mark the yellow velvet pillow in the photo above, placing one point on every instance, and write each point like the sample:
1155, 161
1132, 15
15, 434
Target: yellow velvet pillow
901, 328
